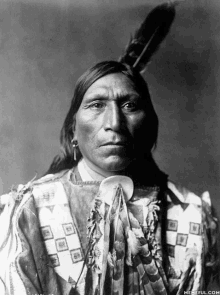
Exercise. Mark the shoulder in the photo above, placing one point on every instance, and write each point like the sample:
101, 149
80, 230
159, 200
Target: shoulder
186, 196
50, 189
22, 192
195, 212
185, 208
50, 178
192, 206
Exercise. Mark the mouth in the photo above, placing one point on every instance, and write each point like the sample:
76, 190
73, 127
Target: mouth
113, 143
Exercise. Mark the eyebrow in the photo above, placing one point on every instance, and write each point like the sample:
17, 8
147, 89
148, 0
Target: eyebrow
106, 97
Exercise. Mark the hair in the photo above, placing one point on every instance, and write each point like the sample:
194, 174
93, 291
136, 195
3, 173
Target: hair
66, 159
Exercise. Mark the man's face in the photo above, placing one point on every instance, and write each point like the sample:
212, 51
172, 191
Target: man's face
110, 123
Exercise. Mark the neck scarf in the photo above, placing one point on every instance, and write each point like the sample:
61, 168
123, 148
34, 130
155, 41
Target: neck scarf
123, 256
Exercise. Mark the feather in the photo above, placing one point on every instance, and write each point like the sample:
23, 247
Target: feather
149, 36
133, 246
133, 243
115, 254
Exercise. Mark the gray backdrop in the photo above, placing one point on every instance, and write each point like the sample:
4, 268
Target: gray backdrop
46, 45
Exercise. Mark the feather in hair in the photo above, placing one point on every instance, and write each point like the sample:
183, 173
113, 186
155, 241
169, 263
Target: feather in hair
149, 36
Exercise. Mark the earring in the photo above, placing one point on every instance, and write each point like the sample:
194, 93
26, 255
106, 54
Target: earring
75, 145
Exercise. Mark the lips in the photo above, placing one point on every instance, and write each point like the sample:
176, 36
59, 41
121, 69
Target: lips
114, 143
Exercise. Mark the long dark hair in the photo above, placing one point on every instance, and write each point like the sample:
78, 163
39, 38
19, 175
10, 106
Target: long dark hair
66, 159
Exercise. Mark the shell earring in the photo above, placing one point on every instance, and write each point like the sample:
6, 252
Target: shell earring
75, 145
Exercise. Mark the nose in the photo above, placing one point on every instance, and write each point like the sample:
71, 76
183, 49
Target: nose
113, 118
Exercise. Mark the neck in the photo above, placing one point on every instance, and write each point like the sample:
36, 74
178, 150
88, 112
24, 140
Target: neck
142, 172
96, 173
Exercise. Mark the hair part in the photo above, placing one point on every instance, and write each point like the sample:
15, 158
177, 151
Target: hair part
66, 159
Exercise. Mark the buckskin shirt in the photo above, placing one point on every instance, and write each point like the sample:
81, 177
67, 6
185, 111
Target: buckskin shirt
53, 239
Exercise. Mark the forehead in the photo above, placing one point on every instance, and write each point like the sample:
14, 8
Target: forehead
111, 85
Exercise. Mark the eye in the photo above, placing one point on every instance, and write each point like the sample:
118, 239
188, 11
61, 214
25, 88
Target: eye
130, 106
97, 105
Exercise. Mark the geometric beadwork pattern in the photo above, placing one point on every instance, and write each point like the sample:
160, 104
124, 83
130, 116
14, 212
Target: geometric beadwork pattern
68, 229
54, 260
172, 225
184, 230
47, 232
59, 230
194, 228
61, 244
76, 255
181, 239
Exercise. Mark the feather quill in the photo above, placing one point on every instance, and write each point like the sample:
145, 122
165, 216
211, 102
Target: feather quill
149, 36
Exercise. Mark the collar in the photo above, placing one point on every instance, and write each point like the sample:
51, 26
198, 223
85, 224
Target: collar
85, 176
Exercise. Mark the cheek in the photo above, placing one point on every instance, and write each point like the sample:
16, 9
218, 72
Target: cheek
82, 132
84, 129
138, 123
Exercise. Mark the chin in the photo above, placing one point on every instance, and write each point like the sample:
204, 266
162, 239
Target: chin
115, 164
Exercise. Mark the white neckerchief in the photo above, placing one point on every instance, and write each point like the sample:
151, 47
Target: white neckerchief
87, 174
83, 171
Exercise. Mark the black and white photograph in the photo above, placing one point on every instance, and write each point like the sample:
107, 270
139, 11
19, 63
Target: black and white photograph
109, 147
